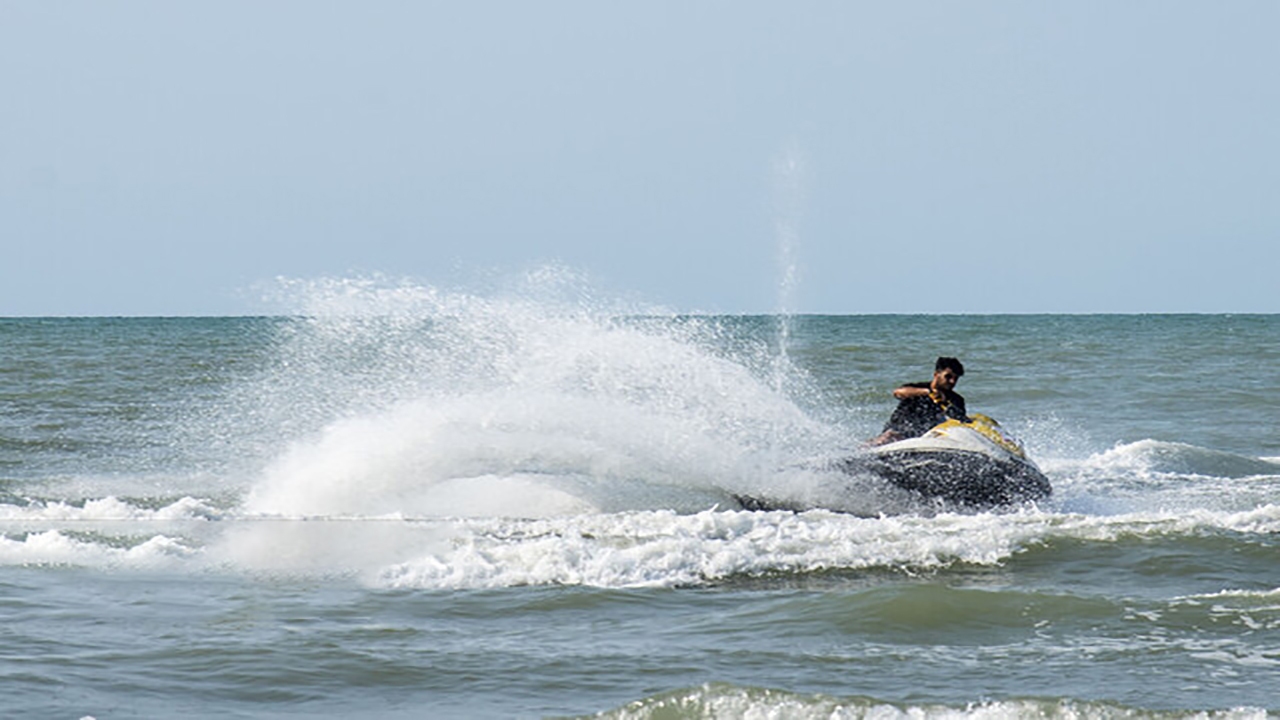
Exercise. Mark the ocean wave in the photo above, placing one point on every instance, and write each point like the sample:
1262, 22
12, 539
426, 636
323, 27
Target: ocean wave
106, 532
719, 700
108, 508
630, 549
1158, 476
54, 547
1260, 595
666, 549
1156, 459
663, 549
1252, 610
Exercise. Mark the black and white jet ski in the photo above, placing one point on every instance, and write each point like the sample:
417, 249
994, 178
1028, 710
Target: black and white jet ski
974, 464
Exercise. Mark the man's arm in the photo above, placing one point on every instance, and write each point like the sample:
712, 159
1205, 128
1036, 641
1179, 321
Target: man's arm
910, 391
885, 438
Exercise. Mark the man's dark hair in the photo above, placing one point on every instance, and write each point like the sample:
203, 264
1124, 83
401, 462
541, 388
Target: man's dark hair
949, 362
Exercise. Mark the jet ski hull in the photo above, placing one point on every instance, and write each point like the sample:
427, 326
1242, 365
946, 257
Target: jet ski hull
972, 463
962, 477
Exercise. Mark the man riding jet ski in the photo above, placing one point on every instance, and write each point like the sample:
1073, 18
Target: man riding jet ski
921, 406
931, 446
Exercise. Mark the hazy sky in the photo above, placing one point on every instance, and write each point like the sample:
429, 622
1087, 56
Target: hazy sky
1120, 156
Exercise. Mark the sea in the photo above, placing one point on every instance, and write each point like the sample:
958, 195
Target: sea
403, 501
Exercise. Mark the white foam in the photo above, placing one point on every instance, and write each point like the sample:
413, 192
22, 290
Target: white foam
489, 456
516, 407
1161, 460
1246, 594
726, 701
653, 548
662, 548
53, 547
108, 509
101, 532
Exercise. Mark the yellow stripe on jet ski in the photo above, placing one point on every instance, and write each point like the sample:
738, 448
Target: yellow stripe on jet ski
985, 426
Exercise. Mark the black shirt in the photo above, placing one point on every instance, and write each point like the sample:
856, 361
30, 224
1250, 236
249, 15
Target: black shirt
914, 416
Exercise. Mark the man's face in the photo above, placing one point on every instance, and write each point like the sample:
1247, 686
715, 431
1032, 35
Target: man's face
945, 379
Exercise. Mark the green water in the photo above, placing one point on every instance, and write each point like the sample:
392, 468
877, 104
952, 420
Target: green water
509, 510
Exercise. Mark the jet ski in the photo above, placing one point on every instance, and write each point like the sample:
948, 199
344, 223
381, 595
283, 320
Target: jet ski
973, 464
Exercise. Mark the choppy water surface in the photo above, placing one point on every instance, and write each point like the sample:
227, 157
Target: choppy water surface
405, 502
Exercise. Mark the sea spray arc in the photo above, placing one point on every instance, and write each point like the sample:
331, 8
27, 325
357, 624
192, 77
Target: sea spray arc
452, 404
486, 405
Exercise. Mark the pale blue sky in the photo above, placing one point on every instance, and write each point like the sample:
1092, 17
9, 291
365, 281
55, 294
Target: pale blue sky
164, 157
